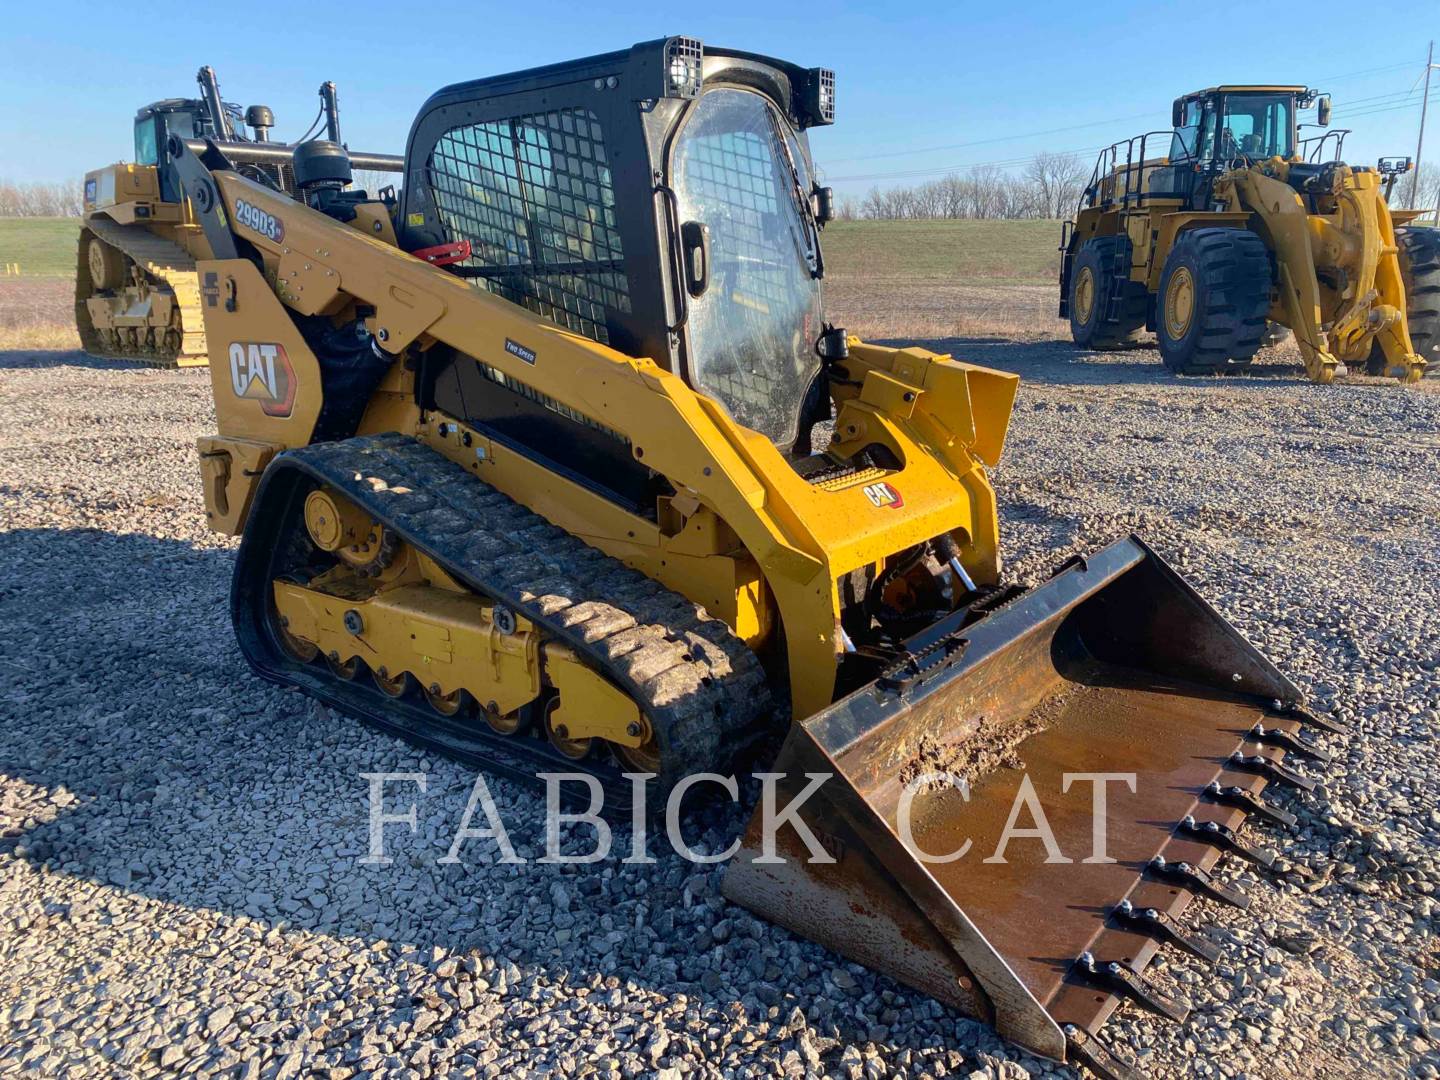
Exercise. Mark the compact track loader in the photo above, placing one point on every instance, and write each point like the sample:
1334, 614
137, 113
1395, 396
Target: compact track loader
136, 294
1243, 229
556, 465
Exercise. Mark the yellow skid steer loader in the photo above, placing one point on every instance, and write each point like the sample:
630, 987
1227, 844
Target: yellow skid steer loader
557, 463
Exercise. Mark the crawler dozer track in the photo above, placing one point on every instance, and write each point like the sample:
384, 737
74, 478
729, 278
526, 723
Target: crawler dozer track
153, 320
703, 692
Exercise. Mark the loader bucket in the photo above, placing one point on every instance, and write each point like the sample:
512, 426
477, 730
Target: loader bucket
1114, 666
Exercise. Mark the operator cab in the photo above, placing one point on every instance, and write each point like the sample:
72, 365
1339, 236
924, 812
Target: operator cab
193, 118
660, 200
188, 118
1227, 127
1230, 125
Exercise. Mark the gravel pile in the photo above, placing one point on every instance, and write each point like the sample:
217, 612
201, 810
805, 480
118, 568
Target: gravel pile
180, 890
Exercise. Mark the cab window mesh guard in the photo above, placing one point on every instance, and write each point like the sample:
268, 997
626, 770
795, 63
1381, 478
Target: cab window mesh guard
533, 195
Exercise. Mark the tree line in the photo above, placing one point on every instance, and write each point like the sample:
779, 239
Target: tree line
41, 199
1050, 186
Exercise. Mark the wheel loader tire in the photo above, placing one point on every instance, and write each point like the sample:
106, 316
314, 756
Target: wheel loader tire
1420, 272
1096, 265
107, 265
1210, 313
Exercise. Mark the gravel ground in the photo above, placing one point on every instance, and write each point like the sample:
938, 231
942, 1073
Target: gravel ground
179, 842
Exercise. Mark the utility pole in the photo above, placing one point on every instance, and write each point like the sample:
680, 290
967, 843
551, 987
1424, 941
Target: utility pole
1420, 140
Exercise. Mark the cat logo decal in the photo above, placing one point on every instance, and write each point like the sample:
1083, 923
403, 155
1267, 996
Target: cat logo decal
261, 372
883, 494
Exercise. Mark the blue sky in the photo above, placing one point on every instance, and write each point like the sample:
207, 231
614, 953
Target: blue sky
921, 88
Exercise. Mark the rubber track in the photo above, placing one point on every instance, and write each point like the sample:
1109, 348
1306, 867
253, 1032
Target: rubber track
1420, 271
703, 690
168, 265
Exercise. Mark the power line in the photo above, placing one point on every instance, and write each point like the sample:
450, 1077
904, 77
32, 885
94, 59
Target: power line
997, 139
1374, 105
1080, 127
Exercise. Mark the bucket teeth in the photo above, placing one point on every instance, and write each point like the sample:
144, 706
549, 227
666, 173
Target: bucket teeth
1227, 839
1288, 742
1238, 797
1197, 881
1088, 1050
1270, 769
1305, 716
1126, 981
1160, 925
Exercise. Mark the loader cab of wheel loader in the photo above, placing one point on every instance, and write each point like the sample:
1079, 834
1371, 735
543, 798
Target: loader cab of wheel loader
660, 200
1227, 125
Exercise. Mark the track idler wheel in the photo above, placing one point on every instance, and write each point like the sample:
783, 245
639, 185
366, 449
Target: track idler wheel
574, 749
349, 670
504, 723
338, 526
395, 686
451, 704
639, 758
107, 265
297, 648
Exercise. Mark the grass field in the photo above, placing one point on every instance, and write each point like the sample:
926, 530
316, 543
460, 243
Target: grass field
884, 279
995, 252
894, 280
44, 247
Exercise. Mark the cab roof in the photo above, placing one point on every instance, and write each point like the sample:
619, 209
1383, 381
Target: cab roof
1231, 88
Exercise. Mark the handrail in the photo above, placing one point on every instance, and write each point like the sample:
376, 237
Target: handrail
1107, 164
1313, 155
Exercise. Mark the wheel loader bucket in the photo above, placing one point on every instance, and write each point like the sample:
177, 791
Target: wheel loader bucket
998, 740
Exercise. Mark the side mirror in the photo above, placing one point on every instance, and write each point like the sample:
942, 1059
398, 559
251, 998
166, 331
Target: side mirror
822, 204
695, 248
1177, 114
1322, 110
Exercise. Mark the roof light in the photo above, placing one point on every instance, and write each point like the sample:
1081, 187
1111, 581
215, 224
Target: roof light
683, 74
820, 97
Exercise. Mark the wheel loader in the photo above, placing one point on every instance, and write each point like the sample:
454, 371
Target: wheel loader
136, 294
556, 465
1242, 229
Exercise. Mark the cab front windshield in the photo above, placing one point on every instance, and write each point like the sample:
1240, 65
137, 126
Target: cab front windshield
1253, 126
739, 170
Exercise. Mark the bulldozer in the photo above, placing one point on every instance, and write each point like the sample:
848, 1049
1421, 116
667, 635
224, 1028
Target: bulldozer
1243, 230
553, 463
136, 294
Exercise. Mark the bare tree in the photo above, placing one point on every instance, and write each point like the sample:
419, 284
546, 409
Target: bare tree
1049, 187
40, 199
1057, 180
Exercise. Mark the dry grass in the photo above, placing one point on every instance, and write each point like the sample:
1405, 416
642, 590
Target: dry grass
923, 280
935, 310
37, 314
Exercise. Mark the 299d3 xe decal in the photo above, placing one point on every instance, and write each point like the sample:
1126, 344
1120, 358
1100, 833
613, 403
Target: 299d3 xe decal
266, 224
262, 372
